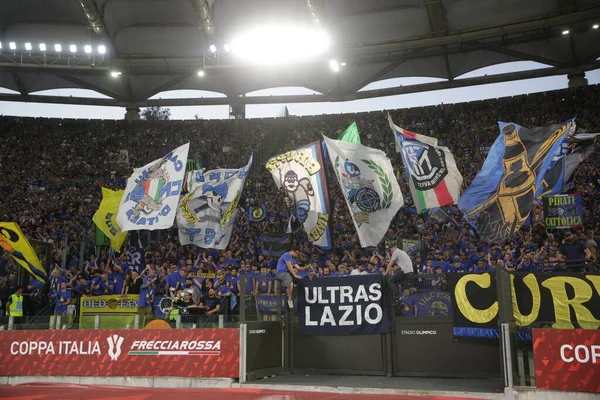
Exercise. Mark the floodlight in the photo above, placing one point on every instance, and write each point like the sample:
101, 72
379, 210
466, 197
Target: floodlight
102, 49
42, 46
565, 32
201, 73
28, 46
227, 47
87, 48
73, 48
12, 45
280, 44
595, 26
333, 64
115, 74
213, 48
0, 45
58, 48
343, 64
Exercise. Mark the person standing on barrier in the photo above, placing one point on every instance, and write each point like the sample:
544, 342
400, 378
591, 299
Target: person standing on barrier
63, 299
286, 271
14, 307
399, 268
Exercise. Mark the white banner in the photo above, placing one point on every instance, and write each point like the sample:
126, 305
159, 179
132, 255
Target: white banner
370, 188
152, 193
301, 175
206, 214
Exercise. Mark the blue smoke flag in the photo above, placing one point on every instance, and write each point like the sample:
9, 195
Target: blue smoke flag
502, 194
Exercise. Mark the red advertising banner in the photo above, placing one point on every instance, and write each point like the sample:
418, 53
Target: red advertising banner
567, 359
207, 353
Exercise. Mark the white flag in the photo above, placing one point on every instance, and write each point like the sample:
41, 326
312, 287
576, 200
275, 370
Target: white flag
152, 193
370, 188
207, 213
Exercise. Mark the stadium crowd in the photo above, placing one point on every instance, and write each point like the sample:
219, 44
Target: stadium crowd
52, 172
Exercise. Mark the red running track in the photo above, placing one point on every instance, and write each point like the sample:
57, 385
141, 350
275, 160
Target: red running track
52, 391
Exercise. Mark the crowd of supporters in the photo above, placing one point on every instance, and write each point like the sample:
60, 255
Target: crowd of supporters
52, 172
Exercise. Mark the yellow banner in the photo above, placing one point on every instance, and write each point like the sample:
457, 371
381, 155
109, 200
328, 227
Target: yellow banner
120, 321
108, 304
14, 242
106, 217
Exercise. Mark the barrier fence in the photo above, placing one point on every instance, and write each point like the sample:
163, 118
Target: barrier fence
443, 325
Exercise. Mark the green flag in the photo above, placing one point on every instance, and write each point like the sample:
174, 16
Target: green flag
350, 135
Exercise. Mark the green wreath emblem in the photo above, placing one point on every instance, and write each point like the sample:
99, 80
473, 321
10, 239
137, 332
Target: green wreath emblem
386, 184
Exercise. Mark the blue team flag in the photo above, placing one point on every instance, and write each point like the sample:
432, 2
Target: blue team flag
502, 194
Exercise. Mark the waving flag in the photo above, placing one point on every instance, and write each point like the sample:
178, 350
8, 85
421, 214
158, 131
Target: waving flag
152, 193
350, 134
206, 215
502, 194
573, 150
301, 175
431, 171
106, 217
370, 188
257, 214
14, 242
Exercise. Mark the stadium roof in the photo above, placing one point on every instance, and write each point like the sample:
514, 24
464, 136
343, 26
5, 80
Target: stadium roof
159, 45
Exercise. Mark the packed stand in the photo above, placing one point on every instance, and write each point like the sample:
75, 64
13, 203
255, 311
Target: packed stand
53, 171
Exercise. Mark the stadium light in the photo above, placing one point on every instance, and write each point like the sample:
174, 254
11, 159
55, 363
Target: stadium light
280, 44
57, 48
595, 26
28, 46
227, 47
213, 48
115, 74
565, 32
201, 73
73, 48
343, 64
87, 48
333, 64
42, 46
12, 46
0, 45
102, 49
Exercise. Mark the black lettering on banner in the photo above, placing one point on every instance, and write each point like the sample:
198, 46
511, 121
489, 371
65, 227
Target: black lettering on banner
561, 300
351, 305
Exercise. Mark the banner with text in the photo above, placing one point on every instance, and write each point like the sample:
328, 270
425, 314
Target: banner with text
350, 305
573, 355
561, 300
115, 311
206, 353
563, 211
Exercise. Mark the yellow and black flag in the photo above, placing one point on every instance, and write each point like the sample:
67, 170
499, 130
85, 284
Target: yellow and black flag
502, 194
106, 217
14, 242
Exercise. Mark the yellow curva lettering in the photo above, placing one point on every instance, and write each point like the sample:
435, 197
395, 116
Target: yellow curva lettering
464, 305
562, 313
532, 284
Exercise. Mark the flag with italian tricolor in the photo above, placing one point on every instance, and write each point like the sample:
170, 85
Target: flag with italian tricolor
431, 171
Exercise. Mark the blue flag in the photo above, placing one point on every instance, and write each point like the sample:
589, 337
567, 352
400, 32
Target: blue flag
502, 194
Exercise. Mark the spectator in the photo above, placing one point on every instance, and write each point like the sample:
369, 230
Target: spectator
63, 299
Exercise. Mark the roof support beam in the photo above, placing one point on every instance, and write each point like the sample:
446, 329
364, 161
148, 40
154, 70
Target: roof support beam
19, 84
437, 17
207, 22
93, 15
374, 77
90, 86
165, 86
457, 83
525, 56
